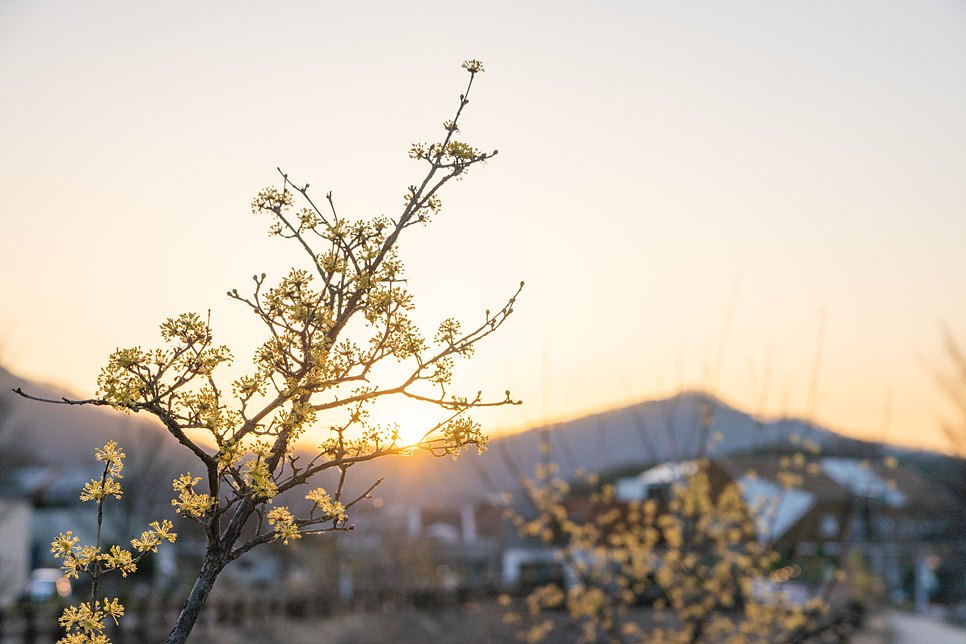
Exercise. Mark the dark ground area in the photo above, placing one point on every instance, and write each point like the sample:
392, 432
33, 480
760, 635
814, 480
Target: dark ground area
474, 623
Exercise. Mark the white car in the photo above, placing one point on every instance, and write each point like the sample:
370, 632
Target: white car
46, 583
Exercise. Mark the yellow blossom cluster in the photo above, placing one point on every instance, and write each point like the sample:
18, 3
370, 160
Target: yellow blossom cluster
84, 624
150, 539
284, 524
695, 554
323, 501
190, 503
112, 457
96, 490
259, 478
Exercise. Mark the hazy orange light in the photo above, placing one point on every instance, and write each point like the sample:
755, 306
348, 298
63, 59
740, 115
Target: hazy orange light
63, 586
411, 426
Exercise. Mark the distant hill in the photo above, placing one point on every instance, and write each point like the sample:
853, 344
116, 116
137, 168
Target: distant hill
617, 440
610, 442
60, 434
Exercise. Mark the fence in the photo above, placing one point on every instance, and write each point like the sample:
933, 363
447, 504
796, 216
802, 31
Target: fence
149, 618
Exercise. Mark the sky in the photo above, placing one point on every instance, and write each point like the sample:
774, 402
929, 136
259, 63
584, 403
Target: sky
766, 200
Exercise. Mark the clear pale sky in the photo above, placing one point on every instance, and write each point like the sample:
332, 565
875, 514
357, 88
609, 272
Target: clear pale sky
659, 161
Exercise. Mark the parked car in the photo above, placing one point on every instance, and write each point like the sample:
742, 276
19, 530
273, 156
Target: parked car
47, 583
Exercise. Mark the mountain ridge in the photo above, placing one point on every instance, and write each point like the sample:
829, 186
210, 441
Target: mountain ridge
639, 434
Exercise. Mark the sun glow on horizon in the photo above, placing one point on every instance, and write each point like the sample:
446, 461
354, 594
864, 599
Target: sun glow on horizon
412, 426
400, 422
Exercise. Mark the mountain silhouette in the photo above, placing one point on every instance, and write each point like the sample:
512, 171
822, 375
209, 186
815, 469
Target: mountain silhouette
612, 442
628, 438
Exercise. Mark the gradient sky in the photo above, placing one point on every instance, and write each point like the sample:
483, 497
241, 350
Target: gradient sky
801, 164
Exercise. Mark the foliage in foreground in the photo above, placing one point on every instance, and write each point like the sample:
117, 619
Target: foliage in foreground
329, 330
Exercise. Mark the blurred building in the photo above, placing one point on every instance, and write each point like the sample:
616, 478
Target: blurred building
907, 528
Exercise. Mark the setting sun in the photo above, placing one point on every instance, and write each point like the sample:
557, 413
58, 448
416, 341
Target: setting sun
411, 426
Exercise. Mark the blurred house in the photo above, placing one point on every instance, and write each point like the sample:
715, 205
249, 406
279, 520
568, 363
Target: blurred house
465, 539
15, 521
410, 553
39, 502
36, 504
889, 513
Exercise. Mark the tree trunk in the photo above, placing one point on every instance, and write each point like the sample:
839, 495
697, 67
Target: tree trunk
196, 600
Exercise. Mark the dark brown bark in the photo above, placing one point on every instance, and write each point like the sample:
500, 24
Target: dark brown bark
196, 600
